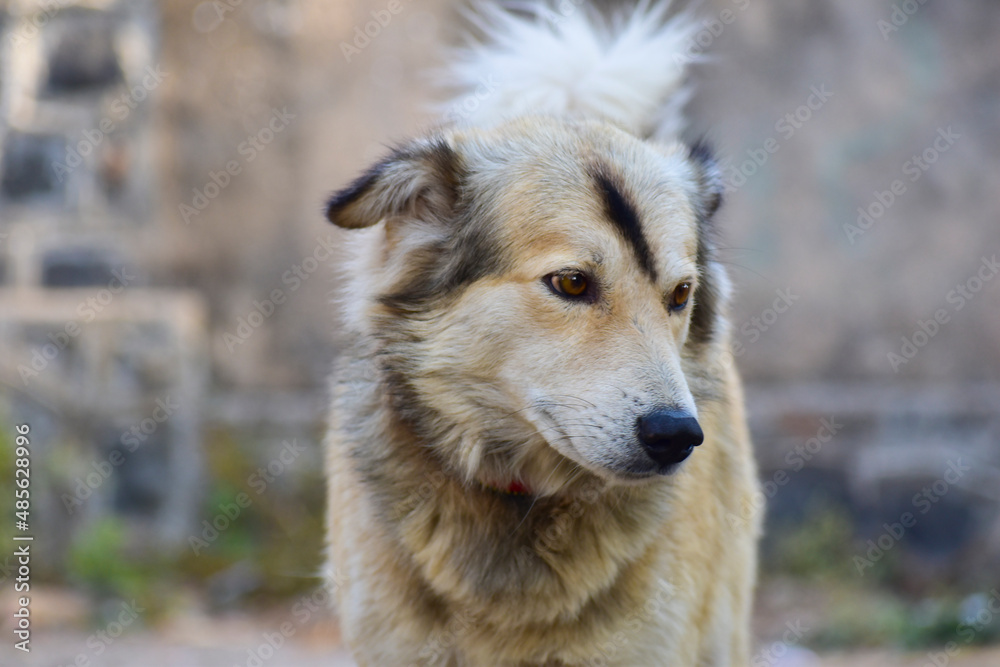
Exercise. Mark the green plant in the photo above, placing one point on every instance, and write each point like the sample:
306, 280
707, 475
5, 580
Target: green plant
819, 549
102, 562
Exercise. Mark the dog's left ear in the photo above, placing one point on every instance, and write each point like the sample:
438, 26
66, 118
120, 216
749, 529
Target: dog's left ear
713, 294
710, 187
418, 180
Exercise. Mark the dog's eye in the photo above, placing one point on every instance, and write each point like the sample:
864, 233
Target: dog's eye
679, 298
572, 284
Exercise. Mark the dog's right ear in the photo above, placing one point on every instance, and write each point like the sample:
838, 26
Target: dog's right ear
420, 180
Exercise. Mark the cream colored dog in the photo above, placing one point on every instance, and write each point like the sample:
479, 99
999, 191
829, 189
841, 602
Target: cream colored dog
537, 453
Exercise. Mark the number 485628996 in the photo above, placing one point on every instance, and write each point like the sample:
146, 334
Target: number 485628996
22, 476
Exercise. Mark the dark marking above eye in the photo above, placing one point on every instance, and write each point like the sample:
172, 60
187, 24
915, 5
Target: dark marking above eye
624, 217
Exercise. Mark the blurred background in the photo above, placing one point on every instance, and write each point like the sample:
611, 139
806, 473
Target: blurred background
166, 331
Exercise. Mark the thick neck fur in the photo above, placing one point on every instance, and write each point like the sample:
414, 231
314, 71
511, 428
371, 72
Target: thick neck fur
555, 558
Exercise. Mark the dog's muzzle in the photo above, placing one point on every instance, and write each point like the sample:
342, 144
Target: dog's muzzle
669, 436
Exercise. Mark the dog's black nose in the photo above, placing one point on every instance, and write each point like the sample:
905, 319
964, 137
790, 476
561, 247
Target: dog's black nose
669, 436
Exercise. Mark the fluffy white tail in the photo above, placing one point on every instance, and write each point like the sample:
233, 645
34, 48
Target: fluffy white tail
563, 59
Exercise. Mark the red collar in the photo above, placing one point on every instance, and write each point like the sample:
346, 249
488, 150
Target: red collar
515, 488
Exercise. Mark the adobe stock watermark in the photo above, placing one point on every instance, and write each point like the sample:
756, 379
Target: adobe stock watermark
562, 11
711, 29
364, 34
249, 149
292, 279
119, 110
754, 328
441, 643
913, 169
207, 16
757, 325
88, 310
99, 642
463, 108
259, 481
130, 440
971, 626
556, 535
898, 17
735, 177
318, 601
556, 13
796, 460
956, 298
924, 502
33, 23
469, 104
637, 618
773, 653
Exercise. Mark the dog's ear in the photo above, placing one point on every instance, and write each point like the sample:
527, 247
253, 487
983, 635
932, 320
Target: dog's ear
420, 179
713, 295
708, 176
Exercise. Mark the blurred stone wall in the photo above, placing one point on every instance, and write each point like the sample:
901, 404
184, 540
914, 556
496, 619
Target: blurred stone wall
858, 139
915, 104
104, 361
859, 147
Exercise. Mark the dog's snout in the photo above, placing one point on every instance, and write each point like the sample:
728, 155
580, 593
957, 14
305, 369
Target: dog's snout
669, 436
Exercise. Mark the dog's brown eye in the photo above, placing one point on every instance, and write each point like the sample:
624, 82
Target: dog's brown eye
680, 296
573, 284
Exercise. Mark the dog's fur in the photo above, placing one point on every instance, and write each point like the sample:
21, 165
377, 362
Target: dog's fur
489, 500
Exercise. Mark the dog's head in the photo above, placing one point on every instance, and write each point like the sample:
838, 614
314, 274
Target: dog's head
540, 294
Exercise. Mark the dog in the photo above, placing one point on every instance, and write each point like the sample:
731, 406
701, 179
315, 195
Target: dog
537, 451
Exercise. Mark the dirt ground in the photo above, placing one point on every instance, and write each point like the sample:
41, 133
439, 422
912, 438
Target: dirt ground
224, 649
243, 642
283, 638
